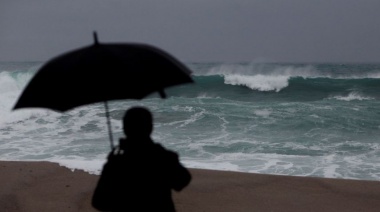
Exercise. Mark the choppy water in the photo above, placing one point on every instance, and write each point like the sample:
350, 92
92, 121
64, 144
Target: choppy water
291, 119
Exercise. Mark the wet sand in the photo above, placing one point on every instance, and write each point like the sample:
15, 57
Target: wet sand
45, 186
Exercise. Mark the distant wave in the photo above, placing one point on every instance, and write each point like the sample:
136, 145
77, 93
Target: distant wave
277, 77
258, 82
334, 71
253, 88
352, 96
279, 83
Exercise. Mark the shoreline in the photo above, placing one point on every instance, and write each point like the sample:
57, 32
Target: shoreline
47, 186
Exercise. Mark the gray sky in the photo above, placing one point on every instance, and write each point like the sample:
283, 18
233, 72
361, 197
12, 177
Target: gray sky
197, 30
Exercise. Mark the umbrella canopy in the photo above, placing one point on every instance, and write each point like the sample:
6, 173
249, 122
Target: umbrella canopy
102, 72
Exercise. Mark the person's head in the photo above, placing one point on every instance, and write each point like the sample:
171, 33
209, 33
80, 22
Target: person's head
138, 122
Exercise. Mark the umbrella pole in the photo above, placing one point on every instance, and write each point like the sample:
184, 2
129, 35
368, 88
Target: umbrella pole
109, 124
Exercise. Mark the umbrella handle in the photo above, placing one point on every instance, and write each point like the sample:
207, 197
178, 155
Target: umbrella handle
109, 124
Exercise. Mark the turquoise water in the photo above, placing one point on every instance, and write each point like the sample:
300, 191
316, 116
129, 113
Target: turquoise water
291, 119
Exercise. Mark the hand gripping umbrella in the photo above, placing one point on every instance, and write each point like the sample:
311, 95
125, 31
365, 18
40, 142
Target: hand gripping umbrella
102, 72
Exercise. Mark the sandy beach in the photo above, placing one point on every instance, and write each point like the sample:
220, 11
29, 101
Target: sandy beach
45, 186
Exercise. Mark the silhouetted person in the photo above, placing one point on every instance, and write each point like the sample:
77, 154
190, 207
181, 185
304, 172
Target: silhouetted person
140, 174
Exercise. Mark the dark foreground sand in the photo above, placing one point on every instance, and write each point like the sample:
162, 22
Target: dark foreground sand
44, 186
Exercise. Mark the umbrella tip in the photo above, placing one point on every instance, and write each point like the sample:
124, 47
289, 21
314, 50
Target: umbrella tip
95, 38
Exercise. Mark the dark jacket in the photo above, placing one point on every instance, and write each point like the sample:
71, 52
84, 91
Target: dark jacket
139, 177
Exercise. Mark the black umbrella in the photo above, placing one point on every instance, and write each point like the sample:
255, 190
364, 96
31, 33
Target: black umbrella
102, 72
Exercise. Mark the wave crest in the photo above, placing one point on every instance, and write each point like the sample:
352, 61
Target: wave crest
352, 96
258, 82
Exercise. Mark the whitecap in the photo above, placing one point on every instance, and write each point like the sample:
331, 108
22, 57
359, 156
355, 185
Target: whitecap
352, 96
258, 82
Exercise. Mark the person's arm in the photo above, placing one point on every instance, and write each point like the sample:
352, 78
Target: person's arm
181, 176
102, 198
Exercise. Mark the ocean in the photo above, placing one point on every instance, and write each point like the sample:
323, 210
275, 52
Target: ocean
319, 120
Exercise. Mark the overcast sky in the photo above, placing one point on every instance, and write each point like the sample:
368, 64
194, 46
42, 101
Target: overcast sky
197, 30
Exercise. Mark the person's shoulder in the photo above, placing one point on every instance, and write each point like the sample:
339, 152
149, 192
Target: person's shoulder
168, 153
